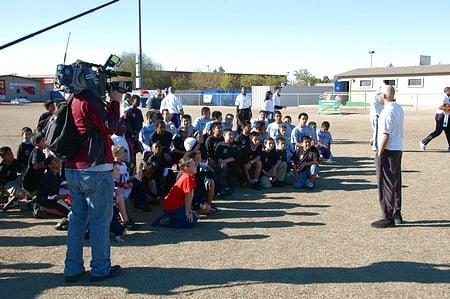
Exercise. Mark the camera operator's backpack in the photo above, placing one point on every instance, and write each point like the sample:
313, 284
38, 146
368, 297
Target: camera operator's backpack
61, 135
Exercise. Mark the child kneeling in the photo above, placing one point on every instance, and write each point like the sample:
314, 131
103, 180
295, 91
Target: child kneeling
306, 164
178, 202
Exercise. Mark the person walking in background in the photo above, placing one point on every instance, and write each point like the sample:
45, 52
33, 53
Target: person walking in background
243, 105
388, 160
442, 119
375, 109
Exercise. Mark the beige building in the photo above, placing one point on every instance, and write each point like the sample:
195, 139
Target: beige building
35, 89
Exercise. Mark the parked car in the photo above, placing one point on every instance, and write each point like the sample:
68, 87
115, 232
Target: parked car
20, 101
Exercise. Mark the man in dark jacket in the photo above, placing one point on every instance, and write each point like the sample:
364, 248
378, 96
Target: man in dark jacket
89, 175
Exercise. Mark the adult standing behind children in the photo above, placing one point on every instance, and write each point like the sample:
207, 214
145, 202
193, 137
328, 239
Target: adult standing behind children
173, 104
388, 160
243, 105
277, 99
91, 184
442, 119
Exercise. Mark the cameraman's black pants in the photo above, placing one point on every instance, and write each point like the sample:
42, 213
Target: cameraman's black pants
439, 117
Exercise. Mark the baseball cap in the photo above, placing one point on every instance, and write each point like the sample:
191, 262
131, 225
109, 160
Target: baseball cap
190, 143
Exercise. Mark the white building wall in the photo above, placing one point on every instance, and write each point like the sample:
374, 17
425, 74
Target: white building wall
258, 96
429, 94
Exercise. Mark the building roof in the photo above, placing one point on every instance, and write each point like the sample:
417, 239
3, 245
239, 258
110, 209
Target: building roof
20, 77
437, 69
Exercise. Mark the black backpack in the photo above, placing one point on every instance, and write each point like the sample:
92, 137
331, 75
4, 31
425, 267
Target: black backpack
61, 135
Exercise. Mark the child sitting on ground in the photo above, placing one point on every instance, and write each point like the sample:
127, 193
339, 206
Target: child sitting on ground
25, 148
49, 199
147, 129
122, 185
273, 169
251, 161
36, 165
186, 123
144, 191
324, 140
10, 189
306, 164
226, 154
178, 211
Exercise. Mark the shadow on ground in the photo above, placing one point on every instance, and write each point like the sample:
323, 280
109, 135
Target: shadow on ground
168, 281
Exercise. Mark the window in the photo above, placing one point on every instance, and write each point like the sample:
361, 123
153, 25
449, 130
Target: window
365, 83
390, 82
18, 90
415, 83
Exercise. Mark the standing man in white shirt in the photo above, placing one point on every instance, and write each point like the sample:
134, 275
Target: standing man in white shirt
388, 160
375, 109
442, 118
243, 105
277, 99
173, 104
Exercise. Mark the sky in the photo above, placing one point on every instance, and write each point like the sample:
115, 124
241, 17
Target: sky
243, 36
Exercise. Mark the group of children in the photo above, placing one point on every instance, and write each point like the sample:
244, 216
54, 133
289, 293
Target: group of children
185, 167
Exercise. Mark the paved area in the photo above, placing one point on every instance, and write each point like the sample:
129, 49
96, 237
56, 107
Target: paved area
282, 243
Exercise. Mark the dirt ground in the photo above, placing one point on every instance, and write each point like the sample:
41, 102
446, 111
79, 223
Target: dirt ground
276, 244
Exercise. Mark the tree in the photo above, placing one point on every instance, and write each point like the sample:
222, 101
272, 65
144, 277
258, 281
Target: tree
148, 65
180, 82
326, 79
228, 82
202, 80
252, 80
275, 80
221, 69
304, 78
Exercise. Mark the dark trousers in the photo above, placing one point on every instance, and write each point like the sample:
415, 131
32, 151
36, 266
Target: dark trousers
389, 176
439, 128
243, 115
176, 120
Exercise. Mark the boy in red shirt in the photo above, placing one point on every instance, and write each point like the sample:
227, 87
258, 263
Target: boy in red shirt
178, 202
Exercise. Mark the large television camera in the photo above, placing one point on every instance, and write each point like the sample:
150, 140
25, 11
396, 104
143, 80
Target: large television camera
82, 76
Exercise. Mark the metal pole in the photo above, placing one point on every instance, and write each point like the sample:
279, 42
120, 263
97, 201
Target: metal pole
139, 75
55, 25
67, 45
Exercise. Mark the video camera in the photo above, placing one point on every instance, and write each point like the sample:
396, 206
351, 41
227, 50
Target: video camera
83, 76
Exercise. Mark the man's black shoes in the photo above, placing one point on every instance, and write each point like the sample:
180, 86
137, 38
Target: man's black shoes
383, 223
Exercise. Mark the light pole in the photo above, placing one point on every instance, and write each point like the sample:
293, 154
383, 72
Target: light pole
139, 76
371, 52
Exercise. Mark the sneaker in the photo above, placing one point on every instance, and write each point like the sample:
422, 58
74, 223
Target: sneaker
63, 224
309, 184
131, 225
398, 220
74, 278
114, 271
383, 223
422, 145
214, 210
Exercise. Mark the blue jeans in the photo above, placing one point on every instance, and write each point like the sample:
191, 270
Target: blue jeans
303, 176
92, 202
178, 218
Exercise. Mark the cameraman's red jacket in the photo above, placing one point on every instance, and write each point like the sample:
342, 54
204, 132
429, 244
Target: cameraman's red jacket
96, 123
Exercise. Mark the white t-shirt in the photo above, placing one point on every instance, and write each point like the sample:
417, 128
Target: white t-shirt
243, 101
171, 103
268, 106
276, 100
391, 122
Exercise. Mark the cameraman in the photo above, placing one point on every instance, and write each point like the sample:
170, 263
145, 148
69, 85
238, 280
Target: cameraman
89, 175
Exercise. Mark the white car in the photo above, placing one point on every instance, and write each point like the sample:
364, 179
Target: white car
20, 100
